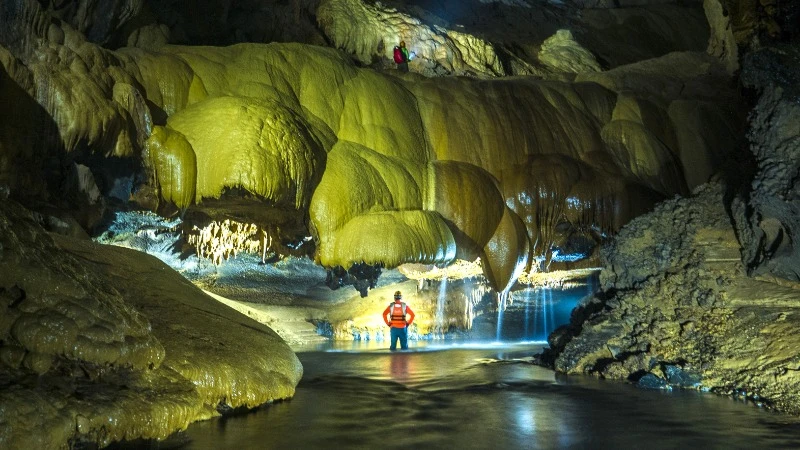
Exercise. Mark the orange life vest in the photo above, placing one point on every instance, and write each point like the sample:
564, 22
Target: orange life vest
398, 314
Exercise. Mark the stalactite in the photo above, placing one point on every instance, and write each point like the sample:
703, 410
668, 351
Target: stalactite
219, 241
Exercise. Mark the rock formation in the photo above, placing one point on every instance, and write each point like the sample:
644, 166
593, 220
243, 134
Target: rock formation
702, 292
549, 139
92, 333
379, 141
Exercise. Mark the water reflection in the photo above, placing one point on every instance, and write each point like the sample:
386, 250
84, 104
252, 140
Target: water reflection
483, 396
399, 367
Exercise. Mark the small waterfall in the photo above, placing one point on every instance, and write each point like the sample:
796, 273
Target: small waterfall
543, 297
441, 300
552, 313
537, 305
533, 313
502, 299
527, 300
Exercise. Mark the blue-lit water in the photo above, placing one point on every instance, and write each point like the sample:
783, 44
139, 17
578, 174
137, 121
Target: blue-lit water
532, 314
481, 396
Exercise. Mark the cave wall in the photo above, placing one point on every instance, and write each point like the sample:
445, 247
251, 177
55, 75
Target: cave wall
702, 293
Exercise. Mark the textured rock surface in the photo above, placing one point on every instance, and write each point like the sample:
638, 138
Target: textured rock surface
371, 153
768, 219
675, 297
370, 31
394, 131
100, 344
676, 291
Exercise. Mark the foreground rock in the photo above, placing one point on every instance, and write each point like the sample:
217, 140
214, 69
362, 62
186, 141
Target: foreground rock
703, 292
100, 344
676, 307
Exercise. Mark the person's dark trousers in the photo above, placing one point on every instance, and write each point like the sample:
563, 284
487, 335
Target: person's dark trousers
402, 335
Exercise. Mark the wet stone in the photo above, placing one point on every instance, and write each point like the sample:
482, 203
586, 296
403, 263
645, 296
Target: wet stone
651, 381
679, 377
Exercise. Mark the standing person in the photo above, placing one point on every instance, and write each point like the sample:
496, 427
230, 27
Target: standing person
395, 317
401, 56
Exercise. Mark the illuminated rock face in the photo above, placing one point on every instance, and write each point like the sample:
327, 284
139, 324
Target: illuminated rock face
371, 31
390, 171
63, 310
100, 344
678, 305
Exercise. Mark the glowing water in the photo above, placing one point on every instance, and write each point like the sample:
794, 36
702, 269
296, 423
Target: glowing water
441, 300
532, 314
551, 309
485, 397
502, 298
527, 301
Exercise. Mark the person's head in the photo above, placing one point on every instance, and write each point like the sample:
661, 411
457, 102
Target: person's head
402, 43
398, 296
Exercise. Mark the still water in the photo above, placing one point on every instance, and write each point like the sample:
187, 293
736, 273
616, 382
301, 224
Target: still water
481, 397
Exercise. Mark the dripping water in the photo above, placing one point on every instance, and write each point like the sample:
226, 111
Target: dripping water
439, 319
502, 297
543, 303
527, 301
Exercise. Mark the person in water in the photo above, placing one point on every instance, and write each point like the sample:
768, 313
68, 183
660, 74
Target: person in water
395, 317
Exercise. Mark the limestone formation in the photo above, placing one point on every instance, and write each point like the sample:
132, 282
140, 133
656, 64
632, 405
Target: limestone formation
373, 169
379, 141
702, 293
563, 54
100, 344
768, 219
675, 298
173, 164
371, 31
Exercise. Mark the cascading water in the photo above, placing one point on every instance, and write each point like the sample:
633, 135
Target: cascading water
531, 314
527, 301
543, 305
440, 303
502, 298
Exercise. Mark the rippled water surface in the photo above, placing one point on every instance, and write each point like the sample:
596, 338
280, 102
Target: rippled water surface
482, 397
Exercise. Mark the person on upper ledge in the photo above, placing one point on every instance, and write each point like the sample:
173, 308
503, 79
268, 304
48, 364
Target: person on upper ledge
395, 317
401, 56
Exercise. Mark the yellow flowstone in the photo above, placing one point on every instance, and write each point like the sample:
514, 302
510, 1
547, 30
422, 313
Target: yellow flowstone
429, 166
171, 158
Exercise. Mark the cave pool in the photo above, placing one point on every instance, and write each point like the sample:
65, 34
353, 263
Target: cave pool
479, 396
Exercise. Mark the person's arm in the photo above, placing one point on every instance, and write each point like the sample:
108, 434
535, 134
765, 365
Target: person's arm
386, 314
410, 316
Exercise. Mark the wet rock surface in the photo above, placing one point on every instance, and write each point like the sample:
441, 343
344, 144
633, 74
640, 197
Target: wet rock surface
676, 308
100, 344
768, 219
703, 292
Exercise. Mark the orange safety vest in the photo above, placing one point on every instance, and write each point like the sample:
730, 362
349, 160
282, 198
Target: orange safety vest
397, 313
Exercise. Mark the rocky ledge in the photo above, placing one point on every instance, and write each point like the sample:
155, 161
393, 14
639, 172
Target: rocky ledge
101, 344
703, 292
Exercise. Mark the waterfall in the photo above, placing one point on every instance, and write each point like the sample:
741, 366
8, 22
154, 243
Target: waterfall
552, 313
543, 297
502, 299
439, 319
526, 334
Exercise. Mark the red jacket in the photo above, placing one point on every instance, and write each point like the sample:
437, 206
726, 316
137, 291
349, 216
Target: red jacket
394, 316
